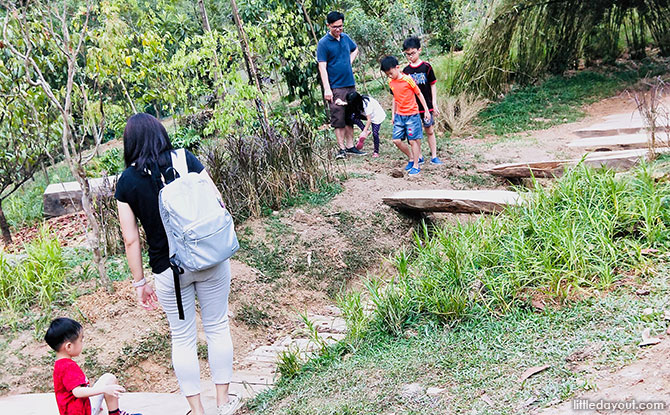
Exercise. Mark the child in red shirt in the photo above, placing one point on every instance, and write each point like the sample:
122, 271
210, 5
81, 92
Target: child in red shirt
74, 396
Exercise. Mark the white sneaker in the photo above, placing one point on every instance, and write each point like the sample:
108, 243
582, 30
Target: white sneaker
230, 407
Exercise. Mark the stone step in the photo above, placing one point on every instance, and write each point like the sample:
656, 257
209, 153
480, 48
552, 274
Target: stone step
453, 201
619, 142
64, 198
616, 160
617, 124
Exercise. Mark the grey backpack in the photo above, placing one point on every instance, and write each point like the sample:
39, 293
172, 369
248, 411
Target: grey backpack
199, 229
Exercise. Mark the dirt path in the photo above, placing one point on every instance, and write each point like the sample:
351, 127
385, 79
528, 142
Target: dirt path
327, 235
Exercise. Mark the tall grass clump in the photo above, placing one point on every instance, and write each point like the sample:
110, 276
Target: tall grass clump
266, 168
34, 278
561, 243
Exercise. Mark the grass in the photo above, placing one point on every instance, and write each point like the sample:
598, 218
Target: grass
36, 279
324, 193
557, 100
25, 207
458, 312
484, 354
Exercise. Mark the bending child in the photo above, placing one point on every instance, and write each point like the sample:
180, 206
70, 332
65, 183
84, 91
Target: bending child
363, 107
406, 119
74, 396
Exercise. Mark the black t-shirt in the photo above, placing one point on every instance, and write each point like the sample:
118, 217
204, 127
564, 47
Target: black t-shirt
424, 77
139, 190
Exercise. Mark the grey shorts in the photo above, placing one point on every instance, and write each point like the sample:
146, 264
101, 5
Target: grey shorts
338, 113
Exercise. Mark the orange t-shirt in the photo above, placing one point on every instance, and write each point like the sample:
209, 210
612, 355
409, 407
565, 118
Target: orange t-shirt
404, 91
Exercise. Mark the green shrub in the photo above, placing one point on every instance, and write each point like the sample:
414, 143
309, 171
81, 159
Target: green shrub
35, 278
578, 236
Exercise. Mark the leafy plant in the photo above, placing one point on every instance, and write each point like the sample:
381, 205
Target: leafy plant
37, 278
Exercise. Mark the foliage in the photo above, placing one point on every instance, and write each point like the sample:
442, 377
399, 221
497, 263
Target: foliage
37, 278
383, 34
559, 243
484, 352
554, 101
503, 51
256, 171
28, 131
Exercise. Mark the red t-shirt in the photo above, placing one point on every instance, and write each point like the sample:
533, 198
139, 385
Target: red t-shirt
67, 376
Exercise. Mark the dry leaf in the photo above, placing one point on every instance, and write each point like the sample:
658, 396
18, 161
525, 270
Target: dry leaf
642, 291
647, 251
532, 371
538, 304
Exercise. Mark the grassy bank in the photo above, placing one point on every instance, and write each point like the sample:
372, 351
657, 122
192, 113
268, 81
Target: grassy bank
462, 310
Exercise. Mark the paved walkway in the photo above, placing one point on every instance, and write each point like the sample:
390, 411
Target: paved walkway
256, 373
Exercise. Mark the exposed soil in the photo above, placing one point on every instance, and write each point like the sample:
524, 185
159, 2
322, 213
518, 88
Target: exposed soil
343, 238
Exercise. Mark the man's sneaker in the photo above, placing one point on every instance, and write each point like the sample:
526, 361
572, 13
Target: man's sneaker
421, 161
436, 160
375, 155
409, 165
414, 171
355, 151
230, 407
361, 140
341, 154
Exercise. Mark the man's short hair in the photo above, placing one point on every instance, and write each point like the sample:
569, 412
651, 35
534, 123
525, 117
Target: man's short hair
389, 63
411, 43
334, 16
62, 330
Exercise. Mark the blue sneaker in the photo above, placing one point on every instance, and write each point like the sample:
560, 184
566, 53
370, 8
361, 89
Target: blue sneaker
421, 160
409, 165
436, 160
414, 171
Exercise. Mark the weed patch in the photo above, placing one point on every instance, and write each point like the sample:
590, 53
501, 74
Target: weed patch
581, 235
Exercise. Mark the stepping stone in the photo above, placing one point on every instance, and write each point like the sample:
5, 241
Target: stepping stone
453, 201
616, 160
64, 198
616, 124
619, 142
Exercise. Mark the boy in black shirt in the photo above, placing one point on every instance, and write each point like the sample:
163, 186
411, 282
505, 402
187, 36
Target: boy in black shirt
424, 77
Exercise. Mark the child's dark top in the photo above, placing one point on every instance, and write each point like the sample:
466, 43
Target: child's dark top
424, 77
139, 190
67, 376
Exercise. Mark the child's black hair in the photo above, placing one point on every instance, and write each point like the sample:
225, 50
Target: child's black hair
62, 330
332, 17
411, 43
356, 104
388, 63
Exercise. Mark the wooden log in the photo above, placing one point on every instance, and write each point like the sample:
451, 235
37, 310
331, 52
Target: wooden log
616, 160
619, 142
64, 198
453, 201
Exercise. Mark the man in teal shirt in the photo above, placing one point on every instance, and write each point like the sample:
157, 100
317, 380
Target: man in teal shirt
335, 53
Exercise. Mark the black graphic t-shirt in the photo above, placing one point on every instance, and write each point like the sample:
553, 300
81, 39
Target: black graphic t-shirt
424, 77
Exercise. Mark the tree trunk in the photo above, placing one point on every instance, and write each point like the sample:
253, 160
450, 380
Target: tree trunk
251, 67
305, 16
6, 235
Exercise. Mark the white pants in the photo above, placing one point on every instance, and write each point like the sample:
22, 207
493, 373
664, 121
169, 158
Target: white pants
212, 287
96, 401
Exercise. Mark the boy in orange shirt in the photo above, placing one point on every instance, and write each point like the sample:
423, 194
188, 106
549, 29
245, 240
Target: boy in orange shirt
405, 113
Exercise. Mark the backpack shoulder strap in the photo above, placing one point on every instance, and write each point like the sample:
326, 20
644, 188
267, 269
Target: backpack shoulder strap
179, 162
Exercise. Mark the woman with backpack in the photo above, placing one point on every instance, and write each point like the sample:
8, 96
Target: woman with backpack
147, 153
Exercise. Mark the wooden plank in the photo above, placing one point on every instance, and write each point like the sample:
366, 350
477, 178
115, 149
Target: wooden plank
64, 198
453, 201
619, 142
616, 160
